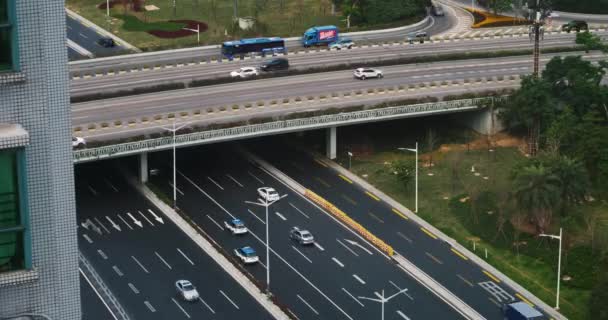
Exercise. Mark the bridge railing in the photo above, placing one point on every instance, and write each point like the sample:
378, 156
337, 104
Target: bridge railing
281, 126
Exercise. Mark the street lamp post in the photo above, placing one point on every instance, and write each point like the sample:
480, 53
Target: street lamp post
559, 262
416, 151
266, 204
350, 157
174, 130
198, 32
383, 300
108, 8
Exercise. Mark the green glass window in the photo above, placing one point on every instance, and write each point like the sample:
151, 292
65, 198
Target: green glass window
12, 255
3, 11
7, 35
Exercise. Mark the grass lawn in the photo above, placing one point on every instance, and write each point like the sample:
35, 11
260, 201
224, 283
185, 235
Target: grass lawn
291, 20
443, 202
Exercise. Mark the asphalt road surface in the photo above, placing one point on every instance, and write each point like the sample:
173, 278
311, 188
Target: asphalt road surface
140, 257
87, 37
92, 305
320, 281
477, 287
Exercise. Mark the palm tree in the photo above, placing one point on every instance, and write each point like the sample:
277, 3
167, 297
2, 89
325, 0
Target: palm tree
574, 181
537, 191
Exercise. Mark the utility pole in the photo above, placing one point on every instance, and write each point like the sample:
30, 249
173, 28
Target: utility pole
537, 32
236, 9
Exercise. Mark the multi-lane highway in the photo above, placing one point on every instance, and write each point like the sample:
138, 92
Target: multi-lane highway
320, 281
140, 254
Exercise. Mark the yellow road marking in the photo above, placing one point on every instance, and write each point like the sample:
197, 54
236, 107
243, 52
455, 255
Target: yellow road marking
428, 233
400, 214
459, 254
491, 276
321, 181
345, 179
373, 196
433, 257
524, 299
349, 199
321, 163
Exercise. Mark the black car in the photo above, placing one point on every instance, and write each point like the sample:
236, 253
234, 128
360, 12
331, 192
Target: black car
576, 25
275, 64
106, 42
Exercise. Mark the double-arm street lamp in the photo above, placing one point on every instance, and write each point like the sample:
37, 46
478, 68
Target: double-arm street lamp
416, 151
174, 129
383, 299
559, 262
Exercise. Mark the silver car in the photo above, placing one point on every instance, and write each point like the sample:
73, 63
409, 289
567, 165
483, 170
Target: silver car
302, 236
186, 290
417, 36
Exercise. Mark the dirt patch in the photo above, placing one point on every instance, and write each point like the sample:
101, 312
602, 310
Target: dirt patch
190, 24
499, 140
133, 5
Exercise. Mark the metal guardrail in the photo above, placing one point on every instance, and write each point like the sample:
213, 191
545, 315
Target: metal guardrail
113, 303
282, 126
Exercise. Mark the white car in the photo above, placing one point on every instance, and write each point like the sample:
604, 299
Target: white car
364, 73
186, 290
268, 194
247, 255
236, 226
342, 44
245, 72
301, 235
78, 142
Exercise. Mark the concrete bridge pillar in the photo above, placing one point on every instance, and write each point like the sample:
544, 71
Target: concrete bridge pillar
331, 142
143, 167
484, 121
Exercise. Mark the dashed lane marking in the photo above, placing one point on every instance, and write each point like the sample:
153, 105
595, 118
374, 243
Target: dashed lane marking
125, 221
228, 298
428, 233
319, 246
371, 195
180, 307
459, 254
206, 305
307, 304
133, 288
300, 211
215, 222
404, 237
433, 258
150, 307
358, 278
402, 315
111, 185
215, 183
185, 256
347, 198
491, 276
102, 254
140, 265
255, 177
87, 238
371, 214
354, 298
399, 213
280, 216
118, 272
323, 182
176, 188
347, 248
345, 178
302, 254
92, 190
338, 262
235, 181
163, 260
465, 280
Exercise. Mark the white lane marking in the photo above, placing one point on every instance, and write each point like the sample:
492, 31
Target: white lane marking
133, 288
358, 278
378, 295
347, 248
303, 255
146, 218
233, 179
356, 244
102, 254
338, 262
87, 238
499, 293
141, 265
114, 225
262, 221
300, 211
82, 35
206, 305
228, 298
118, 272
319, 246
217, 184
280, 216
402, 315
111, 185
156, 217
69, 28
354, 298
102, 225
253, 175
398, 288
92, 190
272, 250
150, 307
125, 221
185, 256
180, 307
217, 224
176, 188
137, 222
404, 236
307, 304
97, 293
163, 260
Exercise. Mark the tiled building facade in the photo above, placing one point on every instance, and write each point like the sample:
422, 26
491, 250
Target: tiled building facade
38, 249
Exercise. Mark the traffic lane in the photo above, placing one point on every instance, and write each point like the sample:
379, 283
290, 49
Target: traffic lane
74, 55
87, 38
482, 290
151, 265
362, 269
93, 307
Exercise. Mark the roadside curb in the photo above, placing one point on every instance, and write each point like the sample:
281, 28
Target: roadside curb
274, 310
100, 30
443, 237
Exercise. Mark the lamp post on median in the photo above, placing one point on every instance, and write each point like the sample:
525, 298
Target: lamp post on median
350, 157
174, 130
264, 203
416, 151
383, 300
559, 262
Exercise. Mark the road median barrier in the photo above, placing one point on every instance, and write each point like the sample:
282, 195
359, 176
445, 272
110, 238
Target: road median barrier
380, 244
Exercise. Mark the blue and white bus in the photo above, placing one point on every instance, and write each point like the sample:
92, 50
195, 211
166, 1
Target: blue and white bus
230, 49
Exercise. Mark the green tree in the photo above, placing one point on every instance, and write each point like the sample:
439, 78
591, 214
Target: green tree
404, 170
537, 191
591, 41
574, 181
598, 308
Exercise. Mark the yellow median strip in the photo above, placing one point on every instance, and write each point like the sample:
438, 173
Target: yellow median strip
345, 179
428, 233
373, 196
321, 163
524, 299
399, 213
491, 276
459, 254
